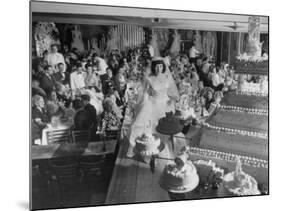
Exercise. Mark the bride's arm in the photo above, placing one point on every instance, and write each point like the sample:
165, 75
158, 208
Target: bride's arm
148, 88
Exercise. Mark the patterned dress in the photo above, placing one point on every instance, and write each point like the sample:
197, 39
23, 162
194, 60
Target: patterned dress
111, 121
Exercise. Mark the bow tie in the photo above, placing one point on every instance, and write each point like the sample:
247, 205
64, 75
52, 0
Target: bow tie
78, 73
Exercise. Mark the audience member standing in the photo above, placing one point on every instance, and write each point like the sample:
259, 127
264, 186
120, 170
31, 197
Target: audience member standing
193, 53
92, 111
54, 58
77, 82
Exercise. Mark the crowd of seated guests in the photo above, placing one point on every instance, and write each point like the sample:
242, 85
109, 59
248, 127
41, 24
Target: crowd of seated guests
90, 88
87, 88
202, 82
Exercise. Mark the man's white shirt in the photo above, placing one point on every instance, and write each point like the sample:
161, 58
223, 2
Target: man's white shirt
102, 66
77, 81
54, 58
193, 52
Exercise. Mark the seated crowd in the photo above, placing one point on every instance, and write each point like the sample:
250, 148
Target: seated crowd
90, 89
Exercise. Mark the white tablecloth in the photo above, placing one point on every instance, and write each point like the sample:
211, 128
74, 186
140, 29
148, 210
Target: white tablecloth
63, 126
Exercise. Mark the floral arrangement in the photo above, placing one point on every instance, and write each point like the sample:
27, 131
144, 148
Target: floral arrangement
249, 58
247, 110
229, 157
236, 131
45, 34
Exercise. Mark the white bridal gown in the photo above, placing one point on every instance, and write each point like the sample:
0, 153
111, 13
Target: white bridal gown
152, 108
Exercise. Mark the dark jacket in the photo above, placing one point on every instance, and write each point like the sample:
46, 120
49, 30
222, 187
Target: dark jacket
58, 77
93, 113
83, 120
47, 83
107, 83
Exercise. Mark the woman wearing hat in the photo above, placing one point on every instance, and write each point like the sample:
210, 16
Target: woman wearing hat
159, 96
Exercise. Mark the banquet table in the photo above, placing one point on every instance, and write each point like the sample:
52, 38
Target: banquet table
136, 181
73, 149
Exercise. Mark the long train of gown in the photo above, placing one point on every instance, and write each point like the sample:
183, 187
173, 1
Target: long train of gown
152, 108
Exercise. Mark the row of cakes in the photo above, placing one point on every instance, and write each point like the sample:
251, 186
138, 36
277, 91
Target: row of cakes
184, 175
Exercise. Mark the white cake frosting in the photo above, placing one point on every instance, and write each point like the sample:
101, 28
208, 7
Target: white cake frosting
240, 183
147, 145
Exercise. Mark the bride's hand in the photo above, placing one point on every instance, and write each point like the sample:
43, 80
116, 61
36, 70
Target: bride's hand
174, 98
152, 92
169, 102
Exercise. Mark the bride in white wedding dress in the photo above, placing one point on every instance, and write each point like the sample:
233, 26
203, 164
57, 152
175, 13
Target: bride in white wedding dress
158, 96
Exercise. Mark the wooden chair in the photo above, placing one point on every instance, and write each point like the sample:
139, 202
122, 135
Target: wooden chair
112, 135
66, 174
60, 136
81, 136
36, 178
92, 167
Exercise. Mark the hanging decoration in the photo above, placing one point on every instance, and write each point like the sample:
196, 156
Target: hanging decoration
175, 47
209, 44
94, 45
77, 41
197, 40
45, 34
112, 39
153, 46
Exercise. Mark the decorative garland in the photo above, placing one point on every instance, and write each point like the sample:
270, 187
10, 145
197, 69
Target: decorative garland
257, 94
236, 131
229, 157
247, 110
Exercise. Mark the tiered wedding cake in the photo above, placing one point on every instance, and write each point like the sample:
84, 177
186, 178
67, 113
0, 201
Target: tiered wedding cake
169, 124
147, 145
252, 61
180, 176
239, 183
241, 129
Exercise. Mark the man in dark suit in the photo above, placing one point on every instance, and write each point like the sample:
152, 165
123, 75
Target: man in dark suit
47, 82
92, 111
61, 76
107, 81
82, 119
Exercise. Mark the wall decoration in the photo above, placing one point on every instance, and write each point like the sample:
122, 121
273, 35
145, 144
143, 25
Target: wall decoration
45, 34
197, 40
209, 43
77, 41
175, 47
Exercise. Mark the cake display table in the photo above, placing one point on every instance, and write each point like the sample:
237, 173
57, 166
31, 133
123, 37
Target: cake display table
133, 181
169, 125
251, 67
240, 126
171, 134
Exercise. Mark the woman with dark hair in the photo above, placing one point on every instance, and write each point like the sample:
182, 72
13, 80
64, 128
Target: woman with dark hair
158, 97
209, 97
